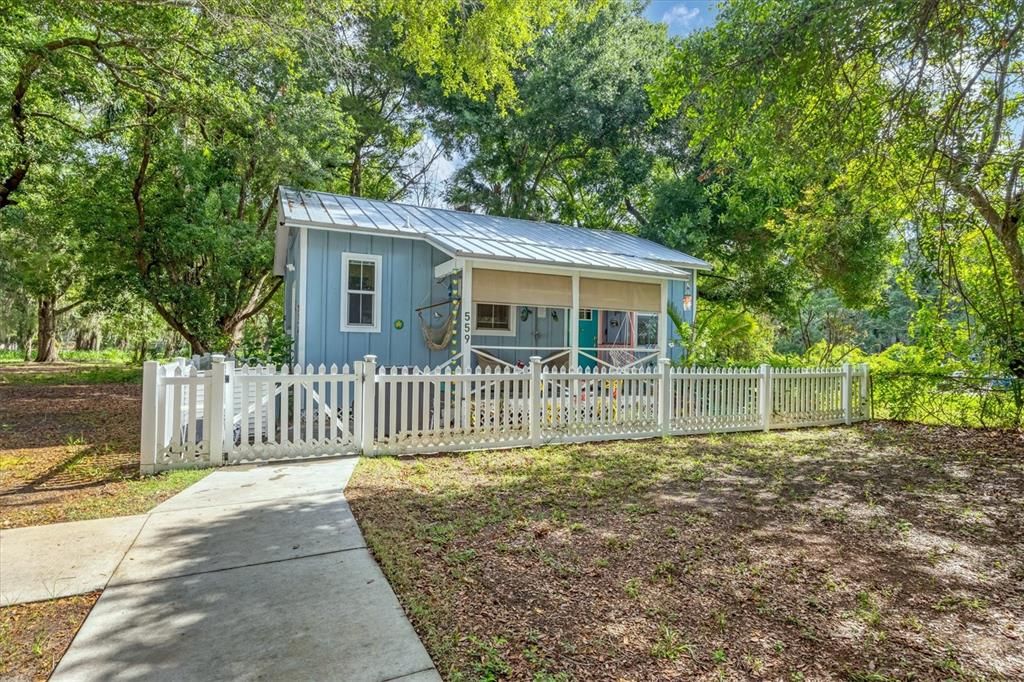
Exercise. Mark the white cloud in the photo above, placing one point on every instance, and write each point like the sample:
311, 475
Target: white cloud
680, 15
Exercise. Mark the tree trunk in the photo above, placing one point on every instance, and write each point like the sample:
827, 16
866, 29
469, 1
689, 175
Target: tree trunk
85, 339
234, 333
47, 316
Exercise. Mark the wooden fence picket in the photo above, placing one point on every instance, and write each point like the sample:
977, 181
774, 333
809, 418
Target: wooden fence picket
226, 414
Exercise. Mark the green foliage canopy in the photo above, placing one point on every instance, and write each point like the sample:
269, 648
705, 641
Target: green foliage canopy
895, 119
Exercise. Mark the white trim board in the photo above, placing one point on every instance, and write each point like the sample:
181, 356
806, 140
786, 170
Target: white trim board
302, 279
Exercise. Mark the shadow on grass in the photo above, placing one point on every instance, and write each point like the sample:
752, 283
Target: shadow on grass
879, 552
67, 438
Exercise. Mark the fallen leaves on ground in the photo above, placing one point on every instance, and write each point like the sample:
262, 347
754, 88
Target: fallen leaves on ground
34, 636
71, 452
883, 551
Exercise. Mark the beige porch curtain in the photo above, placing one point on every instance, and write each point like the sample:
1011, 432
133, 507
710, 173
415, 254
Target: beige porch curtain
611, 294
555, 291
522, 288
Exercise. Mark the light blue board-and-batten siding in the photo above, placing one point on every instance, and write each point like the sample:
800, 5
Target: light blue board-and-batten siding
677, 289
407, 282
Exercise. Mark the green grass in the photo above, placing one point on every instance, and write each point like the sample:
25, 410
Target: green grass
121, 498
109, 355
63, 375
136, 496
670, 645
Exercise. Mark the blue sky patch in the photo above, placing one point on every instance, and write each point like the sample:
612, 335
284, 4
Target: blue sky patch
683, 16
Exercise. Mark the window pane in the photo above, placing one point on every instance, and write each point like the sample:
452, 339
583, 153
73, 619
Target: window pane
369, 272
360, 309
646, 330
501, 316
490, 316
361, 275
355, 269
366, 311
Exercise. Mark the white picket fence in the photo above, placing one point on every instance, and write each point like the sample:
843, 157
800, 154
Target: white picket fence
227, 414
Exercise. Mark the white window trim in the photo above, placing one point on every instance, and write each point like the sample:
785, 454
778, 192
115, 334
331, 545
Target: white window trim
513, 314
589, 314
361, 328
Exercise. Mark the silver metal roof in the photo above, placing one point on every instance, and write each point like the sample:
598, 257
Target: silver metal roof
473, 235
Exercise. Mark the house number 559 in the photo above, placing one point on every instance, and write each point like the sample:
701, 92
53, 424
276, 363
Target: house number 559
467, 326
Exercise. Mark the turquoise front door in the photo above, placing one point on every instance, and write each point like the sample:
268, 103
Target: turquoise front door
588, 337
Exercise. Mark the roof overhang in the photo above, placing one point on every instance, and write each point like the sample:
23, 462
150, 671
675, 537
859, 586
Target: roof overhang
447, 267
479, 237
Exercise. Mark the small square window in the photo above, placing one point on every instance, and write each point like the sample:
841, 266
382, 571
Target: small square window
586, 314
493, 318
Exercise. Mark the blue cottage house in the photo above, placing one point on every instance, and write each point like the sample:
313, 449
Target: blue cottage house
428, 287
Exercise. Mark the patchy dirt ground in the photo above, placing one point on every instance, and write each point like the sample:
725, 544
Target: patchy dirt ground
70, 452
877, 552
34, 637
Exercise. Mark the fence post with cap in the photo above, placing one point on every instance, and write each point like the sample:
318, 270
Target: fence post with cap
536, 400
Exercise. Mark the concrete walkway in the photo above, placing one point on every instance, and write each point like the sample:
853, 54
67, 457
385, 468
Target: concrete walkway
252, 573
61, 559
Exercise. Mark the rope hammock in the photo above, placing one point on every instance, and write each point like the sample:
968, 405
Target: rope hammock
619, 357
440, 338
437, 338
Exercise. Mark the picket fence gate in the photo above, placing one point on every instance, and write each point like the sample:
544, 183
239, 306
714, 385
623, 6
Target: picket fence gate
226, 414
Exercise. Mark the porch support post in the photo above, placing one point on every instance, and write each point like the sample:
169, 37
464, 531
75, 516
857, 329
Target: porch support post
466, 314
663, 321
574, 324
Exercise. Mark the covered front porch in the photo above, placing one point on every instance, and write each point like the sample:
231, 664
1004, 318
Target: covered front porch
506, 312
